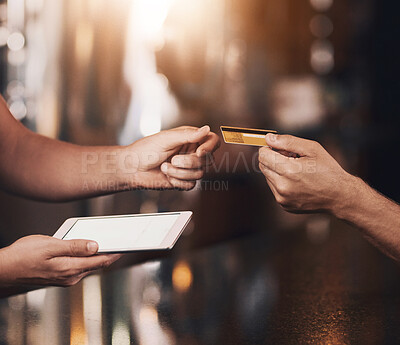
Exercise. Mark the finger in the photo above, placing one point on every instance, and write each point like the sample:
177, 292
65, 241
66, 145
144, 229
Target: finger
71, 280
189, 148
180, 184
272, 179
288, 154
174, 138
73, 248
182, 174
269, 174
210, 145
78, 265
190, 161
100, 261
289, 143
273, 160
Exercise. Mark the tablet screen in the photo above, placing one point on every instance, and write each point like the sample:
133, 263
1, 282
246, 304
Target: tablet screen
116, 233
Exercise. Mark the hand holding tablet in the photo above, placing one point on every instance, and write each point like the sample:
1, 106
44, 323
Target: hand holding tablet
127, 233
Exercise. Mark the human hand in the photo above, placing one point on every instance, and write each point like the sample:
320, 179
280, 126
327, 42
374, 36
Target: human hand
312, 182
174, 158
44, 260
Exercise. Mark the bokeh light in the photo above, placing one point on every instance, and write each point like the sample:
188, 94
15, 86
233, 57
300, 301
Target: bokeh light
182, 277
321, 5
16, 41
322, 57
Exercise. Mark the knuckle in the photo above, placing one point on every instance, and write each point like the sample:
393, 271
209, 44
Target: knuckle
283, 190
107, 263
59, 266
69, 282
75, 280
315, 146
74, 247
75, 272
292, 169
289, 170
200, 174
262, 151
104, 264
217, 139
262, 158
64, 268
280, 199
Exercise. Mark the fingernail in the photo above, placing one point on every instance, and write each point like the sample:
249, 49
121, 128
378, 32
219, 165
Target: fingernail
272, 137
164, 168
204, 127
92, 247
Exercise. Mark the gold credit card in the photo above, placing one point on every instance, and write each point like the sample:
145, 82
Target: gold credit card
245, 136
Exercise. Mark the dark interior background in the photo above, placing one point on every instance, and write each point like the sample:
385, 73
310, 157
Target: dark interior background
257, 47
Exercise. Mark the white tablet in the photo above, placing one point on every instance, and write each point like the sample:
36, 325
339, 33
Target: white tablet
126, 233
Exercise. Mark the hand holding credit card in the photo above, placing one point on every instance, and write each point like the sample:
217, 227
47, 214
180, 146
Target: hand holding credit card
250, 136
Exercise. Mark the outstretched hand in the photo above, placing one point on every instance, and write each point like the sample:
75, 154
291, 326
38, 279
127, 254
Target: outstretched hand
174, 158
44, 260
310, 181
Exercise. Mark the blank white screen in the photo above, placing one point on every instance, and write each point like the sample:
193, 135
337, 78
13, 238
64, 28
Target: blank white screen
131, 232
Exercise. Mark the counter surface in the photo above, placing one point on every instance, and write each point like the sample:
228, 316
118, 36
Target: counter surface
321, 284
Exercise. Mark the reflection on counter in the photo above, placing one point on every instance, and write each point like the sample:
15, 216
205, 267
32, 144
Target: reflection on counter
276, 288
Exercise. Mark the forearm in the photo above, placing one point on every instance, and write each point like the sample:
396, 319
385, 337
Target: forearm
375, 215
41, 168
46, 169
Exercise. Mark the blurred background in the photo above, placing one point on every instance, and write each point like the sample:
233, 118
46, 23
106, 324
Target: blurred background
96, 72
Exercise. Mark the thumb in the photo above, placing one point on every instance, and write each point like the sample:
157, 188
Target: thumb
184, 135
289, 143
75, 248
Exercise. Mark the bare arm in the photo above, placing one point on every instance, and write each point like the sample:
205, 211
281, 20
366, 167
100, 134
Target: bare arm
38, 167
316, 182
41, 168
375, 215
